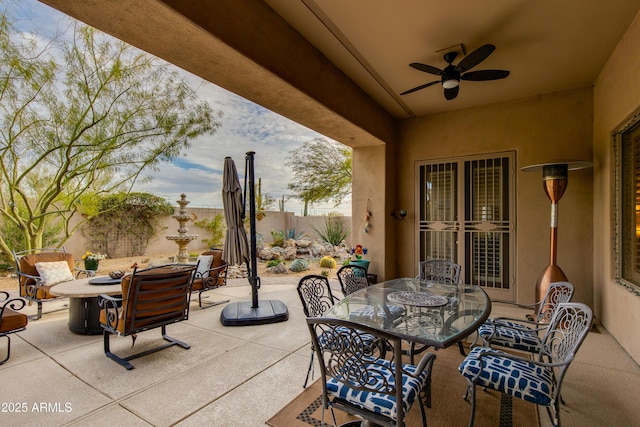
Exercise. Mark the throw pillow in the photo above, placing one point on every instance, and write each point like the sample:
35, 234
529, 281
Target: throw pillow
204, 264
55, 272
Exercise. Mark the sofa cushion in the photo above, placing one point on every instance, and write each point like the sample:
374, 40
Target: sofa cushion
204, 264
12, 320
54, 272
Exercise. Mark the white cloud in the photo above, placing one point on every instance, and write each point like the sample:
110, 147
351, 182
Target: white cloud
246, 126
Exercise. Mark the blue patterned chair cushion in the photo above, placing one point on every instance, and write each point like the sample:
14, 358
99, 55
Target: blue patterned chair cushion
523, 379
369, 312
512, 335
377, 402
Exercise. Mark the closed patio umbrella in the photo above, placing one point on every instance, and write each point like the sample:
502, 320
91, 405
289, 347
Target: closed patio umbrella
245, 313
236, 246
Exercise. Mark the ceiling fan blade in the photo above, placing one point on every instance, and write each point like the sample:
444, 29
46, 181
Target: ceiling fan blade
475, 57
485, 75
426, 68
417, 88
449, 94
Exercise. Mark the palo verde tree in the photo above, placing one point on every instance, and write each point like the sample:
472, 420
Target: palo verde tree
80, 117
322, 172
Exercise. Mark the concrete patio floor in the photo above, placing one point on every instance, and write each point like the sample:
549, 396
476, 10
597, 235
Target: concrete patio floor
233, 376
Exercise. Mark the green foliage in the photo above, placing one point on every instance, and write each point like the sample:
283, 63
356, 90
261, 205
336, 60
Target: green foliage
273, 263
334, 230
322, 171
290, 233
278, 238
328, 262
83, 116
127, 223
299, 264
325, 273
216, 228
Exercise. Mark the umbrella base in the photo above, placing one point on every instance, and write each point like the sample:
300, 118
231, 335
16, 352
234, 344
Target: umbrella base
242, 314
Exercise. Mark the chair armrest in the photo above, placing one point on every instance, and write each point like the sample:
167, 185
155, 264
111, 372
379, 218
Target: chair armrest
87, 273
31, 284
213, 276
500, 321
6, 301
510, 356
112, 307
425, 363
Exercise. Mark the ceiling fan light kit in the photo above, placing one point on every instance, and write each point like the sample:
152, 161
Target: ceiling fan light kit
452, 74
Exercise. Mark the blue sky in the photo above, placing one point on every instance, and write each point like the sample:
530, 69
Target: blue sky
246, 126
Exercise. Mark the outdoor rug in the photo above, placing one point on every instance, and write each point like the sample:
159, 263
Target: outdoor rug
448, 408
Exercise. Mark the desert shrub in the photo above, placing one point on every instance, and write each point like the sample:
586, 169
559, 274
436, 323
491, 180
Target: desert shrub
325, 273
328, 262
216, 227
290, 233
299, 265
273, 263
334, 230
278, 238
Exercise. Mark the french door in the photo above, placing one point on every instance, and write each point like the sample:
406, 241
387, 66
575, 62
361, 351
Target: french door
466, 212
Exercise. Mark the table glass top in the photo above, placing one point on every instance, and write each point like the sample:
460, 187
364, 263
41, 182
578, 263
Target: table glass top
427, 312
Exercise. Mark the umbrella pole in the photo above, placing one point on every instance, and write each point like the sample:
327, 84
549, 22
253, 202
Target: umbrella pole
254, 280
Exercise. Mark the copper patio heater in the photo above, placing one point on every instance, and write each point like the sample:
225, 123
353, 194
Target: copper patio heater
554, 182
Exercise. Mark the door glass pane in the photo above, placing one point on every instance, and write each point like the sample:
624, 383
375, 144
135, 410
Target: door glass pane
486, 223
438, 211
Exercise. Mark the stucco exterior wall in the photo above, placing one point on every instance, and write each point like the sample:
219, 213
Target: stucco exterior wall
539, 129
616, 99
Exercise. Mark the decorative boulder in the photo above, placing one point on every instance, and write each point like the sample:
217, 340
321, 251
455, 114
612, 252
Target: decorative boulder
303, 243
277, 269
289, 253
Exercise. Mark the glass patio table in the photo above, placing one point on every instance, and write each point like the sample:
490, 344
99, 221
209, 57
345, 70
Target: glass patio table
424, 312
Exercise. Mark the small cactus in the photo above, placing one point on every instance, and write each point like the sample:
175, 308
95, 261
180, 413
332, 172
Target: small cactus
299, 265
328, 262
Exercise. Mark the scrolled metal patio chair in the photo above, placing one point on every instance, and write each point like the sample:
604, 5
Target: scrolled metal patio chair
538, 381
521, 334
352, 278
317, 297
40, 269
366, 383
151, 298
211, 274
440, 270
10, 320
443, 271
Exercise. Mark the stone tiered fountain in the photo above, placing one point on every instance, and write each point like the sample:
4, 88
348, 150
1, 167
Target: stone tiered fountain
182, 239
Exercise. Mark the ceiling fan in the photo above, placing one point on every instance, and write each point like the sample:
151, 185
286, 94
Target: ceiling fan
452, 74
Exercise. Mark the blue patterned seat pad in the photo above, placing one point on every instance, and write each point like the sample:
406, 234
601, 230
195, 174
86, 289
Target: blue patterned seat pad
521, 379
382, 403
512, 335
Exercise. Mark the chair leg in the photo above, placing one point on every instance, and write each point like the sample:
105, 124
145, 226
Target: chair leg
209, 304
8, 350
107, 352
171, 340
472, 391
310, 370
124, 361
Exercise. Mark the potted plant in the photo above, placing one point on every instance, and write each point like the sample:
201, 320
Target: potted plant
358, 252
92, 260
